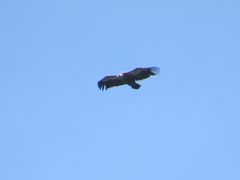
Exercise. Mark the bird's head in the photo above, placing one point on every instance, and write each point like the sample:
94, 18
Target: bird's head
120, 74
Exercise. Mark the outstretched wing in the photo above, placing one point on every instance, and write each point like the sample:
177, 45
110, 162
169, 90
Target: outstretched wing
143, 73
110, 81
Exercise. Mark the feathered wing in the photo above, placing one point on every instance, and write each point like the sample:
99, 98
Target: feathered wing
143, 73
110, 81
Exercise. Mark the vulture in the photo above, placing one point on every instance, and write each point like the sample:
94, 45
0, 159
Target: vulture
128, 78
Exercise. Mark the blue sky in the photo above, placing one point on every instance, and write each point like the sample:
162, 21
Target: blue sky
181, 125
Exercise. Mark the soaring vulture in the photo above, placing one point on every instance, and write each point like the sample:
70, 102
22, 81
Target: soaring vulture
128, 78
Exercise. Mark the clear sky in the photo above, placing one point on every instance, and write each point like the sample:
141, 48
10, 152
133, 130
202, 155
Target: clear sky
183, 124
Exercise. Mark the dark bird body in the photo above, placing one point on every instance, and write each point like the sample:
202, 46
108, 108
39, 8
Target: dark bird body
128, 78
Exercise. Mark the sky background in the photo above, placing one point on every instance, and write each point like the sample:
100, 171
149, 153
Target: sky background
181, 125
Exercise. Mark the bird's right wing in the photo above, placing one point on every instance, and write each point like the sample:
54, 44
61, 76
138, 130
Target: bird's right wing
110, 81
143, 73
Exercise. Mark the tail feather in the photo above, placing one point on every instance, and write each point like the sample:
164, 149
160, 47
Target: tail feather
135, 86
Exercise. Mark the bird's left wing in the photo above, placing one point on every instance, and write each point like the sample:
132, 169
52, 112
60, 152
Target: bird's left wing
110, 81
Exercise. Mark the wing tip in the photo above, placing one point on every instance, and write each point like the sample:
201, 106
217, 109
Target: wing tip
100, 85
155, 70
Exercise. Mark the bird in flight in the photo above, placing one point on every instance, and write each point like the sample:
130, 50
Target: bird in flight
128, 78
